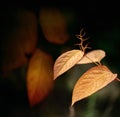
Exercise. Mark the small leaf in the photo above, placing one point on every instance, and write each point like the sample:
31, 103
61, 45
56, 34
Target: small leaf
93, 56
66, 61
39, 77
91, 81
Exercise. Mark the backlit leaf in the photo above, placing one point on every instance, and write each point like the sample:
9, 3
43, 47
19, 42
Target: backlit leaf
66, 61
39, 77
54, 25
92, 56
91, 81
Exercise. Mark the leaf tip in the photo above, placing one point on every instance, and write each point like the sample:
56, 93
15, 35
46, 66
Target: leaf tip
55, 76
72, 104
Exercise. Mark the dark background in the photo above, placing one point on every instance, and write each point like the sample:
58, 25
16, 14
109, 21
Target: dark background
102, 24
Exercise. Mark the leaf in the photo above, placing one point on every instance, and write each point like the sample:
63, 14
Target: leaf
19, 38
66, 61
53, 25
39, 77
93, 56
91, 81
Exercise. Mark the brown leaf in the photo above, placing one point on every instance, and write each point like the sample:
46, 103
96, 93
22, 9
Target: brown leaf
66, 61
53, 25
39, 77
19, 39
92, 57
91, 81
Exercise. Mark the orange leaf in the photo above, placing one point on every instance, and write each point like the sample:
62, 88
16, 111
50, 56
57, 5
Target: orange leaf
53, 25
93, 56
66, 61
19, 39
91, 81
39, 77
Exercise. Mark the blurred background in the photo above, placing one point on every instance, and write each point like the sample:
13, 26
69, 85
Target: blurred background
35, 31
